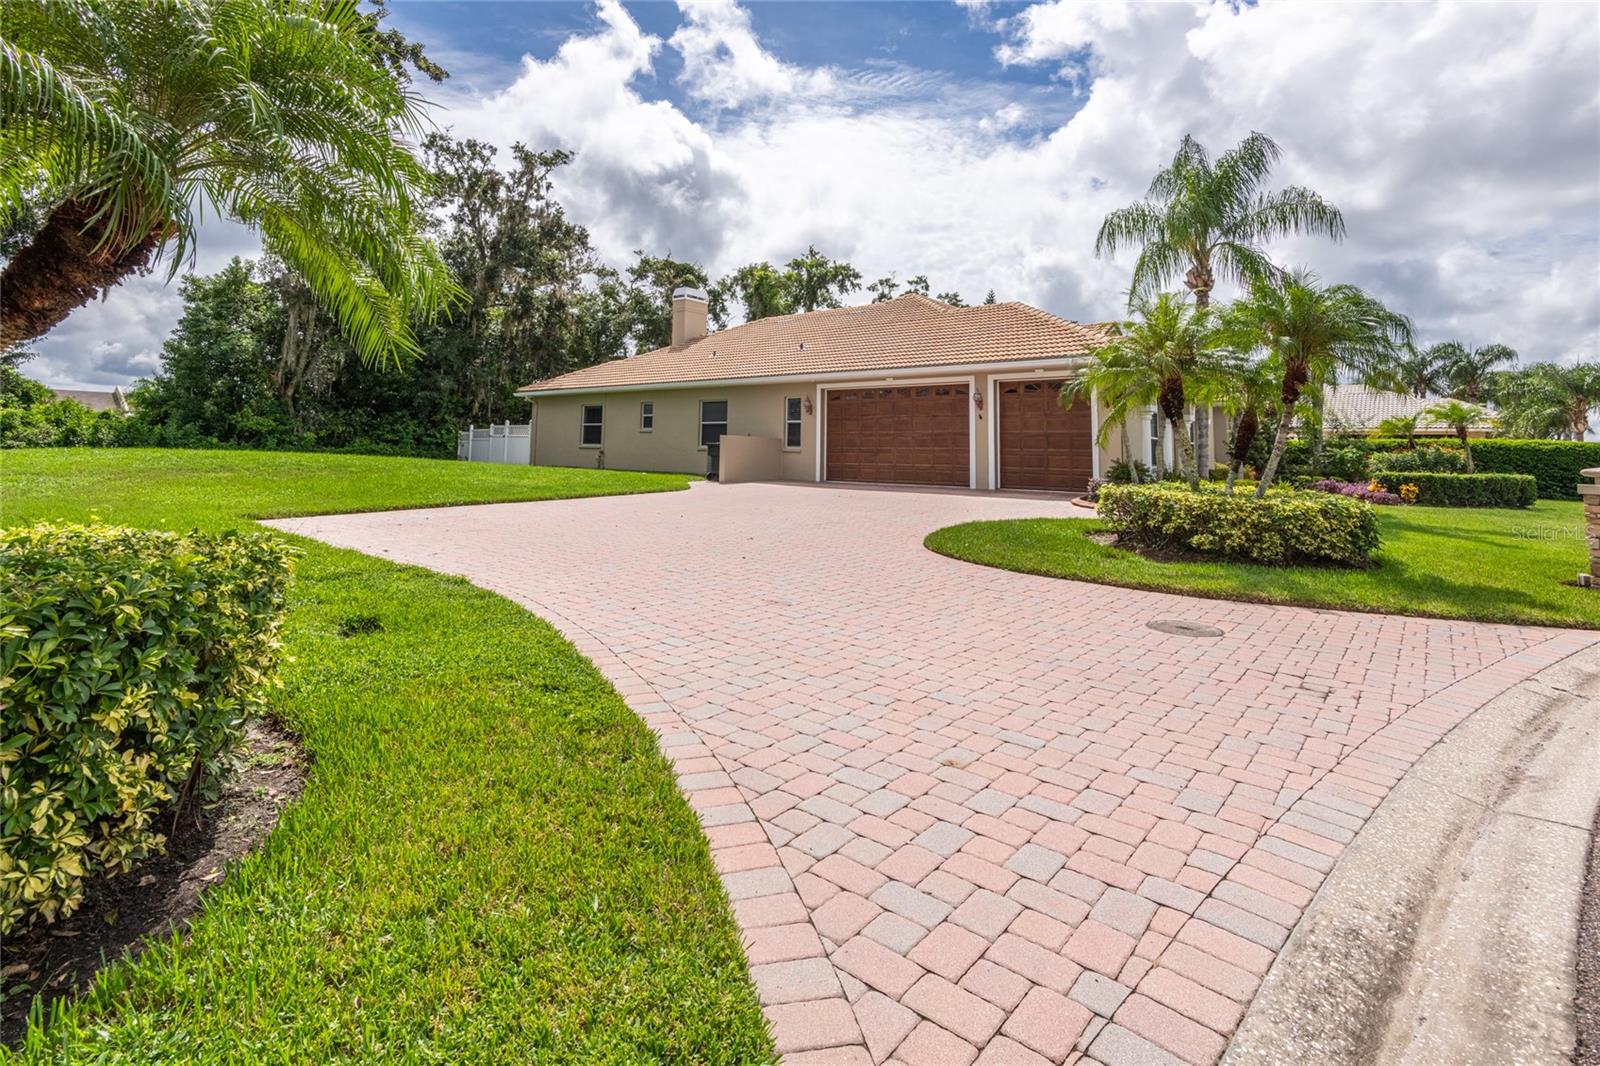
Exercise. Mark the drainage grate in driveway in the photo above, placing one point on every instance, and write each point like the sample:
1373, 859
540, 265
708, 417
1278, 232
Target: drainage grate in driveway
1179, 628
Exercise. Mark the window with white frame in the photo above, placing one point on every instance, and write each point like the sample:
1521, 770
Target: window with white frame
593, 420
791, 422
647, 416
1155, 439
713, 421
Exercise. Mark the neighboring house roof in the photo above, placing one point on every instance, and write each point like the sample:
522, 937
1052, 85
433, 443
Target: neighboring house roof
95, 399
908, 332
1358, 409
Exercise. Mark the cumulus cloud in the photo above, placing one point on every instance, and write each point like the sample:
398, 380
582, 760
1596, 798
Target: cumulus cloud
724, 65
1461, 141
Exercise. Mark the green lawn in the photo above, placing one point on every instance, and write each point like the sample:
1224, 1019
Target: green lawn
1491, 565
491, 861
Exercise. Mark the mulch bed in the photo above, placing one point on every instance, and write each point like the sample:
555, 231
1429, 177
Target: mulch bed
158, 896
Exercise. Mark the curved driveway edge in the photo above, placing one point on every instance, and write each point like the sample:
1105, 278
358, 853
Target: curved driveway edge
1448, 931
965, 814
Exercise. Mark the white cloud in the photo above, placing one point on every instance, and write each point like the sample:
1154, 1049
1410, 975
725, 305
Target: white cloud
724, 64
1461, 141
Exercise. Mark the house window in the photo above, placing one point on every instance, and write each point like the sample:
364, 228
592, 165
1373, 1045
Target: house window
1155, 439
791, 422
593, 415
647, 416
713, 421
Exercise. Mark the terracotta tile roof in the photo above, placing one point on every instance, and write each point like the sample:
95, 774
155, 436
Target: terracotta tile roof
1358, 409
905, 333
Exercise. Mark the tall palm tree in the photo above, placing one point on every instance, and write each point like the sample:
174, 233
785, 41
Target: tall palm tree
1312, 332
1167, 355
1208, 220
1466, 370
130, 119
1460, 417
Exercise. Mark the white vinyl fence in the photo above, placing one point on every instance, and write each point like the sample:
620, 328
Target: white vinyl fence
494, 444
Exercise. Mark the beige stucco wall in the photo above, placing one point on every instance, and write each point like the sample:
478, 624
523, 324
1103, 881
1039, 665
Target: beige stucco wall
755, 410
674, 443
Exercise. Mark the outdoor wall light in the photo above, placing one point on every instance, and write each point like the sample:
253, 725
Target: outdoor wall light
977, 401
809, 407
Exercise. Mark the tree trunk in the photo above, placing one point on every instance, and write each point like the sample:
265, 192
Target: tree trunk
62, 269
1294, 379
1466, 448
1172, 405
1186, 454
1279, 442
1127, 452
1244, 435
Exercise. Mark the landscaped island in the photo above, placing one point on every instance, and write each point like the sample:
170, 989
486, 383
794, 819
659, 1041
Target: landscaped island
1483, 564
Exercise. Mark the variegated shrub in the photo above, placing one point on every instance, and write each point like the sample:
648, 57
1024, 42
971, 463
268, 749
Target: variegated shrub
130, 660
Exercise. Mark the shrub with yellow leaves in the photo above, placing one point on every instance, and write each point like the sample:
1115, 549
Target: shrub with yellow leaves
130, 660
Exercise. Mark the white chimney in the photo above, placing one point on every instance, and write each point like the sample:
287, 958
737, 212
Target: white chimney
688, 315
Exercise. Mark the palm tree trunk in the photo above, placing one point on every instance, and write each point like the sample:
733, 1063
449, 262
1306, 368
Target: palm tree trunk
1244, 435
1466, 448
1127, 451
1279, 443
1185, 451
64, 268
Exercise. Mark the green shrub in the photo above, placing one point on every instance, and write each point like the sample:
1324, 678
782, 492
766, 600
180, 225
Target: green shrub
1555, 464
1284, 527
1464, 490
129, 664
1426, 459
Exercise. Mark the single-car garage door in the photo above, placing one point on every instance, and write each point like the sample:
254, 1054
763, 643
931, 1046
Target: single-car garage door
910, 435
1042, 444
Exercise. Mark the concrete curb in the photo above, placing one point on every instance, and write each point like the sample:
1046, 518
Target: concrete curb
1447, 932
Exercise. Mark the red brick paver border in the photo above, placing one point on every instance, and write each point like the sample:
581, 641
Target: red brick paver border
969, 815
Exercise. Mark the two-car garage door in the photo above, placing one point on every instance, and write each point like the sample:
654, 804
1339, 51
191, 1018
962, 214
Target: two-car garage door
919, 435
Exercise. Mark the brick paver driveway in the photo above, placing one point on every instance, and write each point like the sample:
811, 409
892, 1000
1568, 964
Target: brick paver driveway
969, 814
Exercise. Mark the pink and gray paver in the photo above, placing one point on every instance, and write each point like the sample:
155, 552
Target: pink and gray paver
966, 815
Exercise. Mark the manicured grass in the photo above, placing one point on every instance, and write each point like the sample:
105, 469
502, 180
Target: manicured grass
491, 861
1490, 565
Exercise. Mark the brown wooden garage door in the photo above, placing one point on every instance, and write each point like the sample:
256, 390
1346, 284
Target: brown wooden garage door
1042, 445
911, 435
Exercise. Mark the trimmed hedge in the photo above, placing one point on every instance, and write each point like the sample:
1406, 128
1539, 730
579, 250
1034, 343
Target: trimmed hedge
1281, 528
1555, 464
1463, 490
130, 661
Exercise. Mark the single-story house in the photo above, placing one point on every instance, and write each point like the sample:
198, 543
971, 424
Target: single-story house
909, 391
1359, 409
96, 399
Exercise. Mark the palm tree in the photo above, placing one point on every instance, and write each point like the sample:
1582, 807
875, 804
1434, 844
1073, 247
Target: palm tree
1548, 399
1251, 395
1208, 220
287, 115
1167, 356
1399, 426
1312, 332
1459, 417
1466, 369
1418, 373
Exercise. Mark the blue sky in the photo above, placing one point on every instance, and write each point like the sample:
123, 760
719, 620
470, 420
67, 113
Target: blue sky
981, 144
